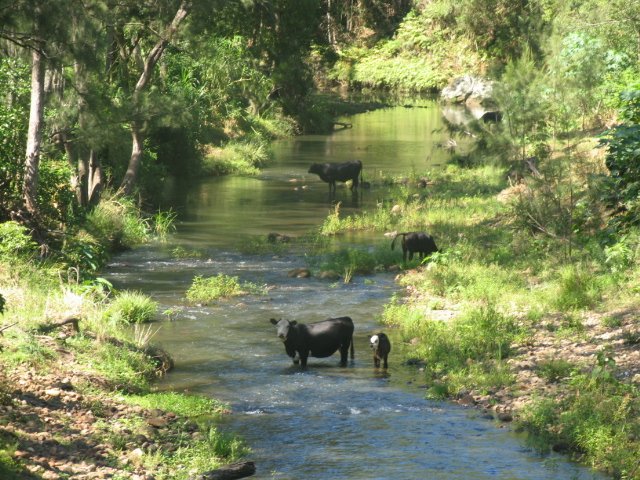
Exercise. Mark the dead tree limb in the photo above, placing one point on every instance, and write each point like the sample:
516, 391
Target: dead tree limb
6, 327
46, 328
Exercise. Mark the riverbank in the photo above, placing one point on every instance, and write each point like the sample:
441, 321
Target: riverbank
533, 326
60, 417
77, 370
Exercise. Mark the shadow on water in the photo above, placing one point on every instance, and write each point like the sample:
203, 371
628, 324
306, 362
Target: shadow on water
325, 422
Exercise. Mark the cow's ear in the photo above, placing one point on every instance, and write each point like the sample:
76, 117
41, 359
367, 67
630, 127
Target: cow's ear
293, 322
274, 321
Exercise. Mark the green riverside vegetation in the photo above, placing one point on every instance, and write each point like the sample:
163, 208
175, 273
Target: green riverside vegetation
110, 362
498, 287
537, 216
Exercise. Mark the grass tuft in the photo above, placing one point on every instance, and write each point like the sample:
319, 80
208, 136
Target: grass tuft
205, 290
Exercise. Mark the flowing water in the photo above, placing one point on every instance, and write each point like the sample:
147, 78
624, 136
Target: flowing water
326, 422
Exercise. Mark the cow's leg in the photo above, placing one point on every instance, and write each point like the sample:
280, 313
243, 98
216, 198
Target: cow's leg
296, 359
303, 359
376, 361
386, 365
410, 255
344, 353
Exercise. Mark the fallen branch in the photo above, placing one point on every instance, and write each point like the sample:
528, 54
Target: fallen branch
46, 328
229, 472
7, 327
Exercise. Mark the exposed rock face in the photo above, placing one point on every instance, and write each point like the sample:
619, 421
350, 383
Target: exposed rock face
467, 89
475, 93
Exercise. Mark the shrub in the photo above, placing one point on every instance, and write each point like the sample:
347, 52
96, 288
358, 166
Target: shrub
15, 241
131, 307
84, 252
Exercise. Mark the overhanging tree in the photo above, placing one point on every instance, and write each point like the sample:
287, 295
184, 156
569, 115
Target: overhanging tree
137, 121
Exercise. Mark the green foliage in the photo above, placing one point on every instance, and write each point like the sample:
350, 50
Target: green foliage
124, 368
555, 369
623, 254
519, 96
623, 162
9, 468
239, 157
85, 253
482, 335
181, 404
117, 223
179, 252
164, 223
14, 109
16, 242
597, 418
355, 260
205, 290
584, 66
425, 52
577, 288
27, 349
502, 28
131, 307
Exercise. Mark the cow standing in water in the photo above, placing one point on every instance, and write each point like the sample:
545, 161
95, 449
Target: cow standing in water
338, 172
319, 339
381, 347
415, 242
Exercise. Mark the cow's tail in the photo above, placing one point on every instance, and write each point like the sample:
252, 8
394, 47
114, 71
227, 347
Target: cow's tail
393, 243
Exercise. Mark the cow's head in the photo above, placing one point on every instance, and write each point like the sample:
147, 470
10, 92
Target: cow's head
374, 342
282, 327
315, 168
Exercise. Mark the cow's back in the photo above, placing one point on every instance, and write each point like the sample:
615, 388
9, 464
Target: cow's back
323, 338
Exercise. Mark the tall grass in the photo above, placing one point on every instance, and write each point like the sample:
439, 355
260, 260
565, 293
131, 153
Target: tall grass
596, 417
468, 350
240, 157
117, 223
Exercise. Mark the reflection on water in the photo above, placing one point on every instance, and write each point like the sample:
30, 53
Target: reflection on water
327, 422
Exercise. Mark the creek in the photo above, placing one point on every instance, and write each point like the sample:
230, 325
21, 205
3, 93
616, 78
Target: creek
326, 422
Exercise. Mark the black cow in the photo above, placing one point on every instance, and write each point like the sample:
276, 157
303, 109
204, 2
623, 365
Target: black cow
341, 172
381, 347
415, 242
318, 339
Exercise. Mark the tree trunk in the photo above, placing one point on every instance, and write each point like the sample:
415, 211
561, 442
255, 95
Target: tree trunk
137, 131
34, 136
94, 180
137, 150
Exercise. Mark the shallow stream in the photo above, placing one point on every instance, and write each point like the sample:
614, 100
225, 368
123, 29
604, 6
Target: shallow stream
327, 422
